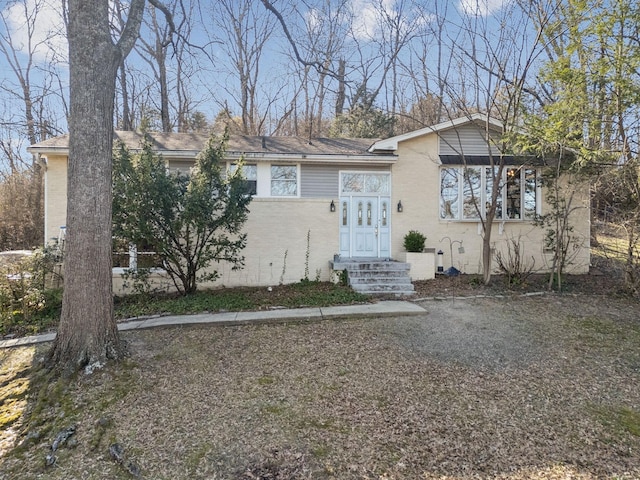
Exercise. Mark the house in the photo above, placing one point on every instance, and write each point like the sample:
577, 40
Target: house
320, 200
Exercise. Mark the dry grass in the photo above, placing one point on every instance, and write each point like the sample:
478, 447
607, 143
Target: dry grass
526, 388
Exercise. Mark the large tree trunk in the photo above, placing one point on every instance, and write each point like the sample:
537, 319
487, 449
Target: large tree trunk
88, 333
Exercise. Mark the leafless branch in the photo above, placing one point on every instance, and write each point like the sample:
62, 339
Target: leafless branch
317, 65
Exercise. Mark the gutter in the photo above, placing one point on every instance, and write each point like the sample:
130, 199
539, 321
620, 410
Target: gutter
386, 159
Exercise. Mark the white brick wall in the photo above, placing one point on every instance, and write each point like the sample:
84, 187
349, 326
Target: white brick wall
416, 183
276, 226
55, 196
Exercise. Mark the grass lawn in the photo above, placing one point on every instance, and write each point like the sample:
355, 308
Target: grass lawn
303, 294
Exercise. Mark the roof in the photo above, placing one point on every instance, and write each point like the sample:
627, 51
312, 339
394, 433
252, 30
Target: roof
391, 144
189, 144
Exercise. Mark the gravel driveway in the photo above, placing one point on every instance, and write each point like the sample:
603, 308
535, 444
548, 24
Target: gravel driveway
474, 332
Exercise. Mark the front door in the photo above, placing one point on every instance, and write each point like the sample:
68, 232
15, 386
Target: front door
364, 231
364, 234
365, 214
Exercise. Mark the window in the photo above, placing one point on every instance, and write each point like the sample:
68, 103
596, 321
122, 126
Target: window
465, 193
250, 173
490, 178
514, 197
471, 193
126, 255
449, 193
284, 180
530, 202
367, 183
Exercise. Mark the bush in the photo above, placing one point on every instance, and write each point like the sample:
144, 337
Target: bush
414, 241
160, 209
21, 218
513, 263
27, 303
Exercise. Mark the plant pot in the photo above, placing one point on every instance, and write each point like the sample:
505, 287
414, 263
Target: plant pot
423, 264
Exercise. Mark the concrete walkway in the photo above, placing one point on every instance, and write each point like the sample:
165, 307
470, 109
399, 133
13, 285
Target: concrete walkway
381, 309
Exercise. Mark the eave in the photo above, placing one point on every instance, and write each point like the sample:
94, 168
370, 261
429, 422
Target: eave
370, 159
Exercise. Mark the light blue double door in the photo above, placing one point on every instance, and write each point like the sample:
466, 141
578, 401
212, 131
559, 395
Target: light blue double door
365, 227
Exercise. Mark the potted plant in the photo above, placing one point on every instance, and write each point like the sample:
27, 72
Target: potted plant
414, 241
421, 260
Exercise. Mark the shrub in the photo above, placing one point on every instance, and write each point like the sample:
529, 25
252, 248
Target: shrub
513, 263
414, 241
21, 219
26, 301
160, 209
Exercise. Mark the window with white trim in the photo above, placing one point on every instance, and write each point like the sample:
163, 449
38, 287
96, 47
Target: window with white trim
465, 193
250, 174
366, 183
284, 180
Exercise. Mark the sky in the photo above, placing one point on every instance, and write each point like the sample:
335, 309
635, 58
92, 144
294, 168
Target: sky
47, 27
48, 45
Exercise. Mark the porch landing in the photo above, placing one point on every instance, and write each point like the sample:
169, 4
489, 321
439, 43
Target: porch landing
376, 276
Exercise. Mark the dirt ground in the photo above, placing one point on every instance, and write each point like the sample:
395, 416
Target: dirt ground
479, 387
597, 282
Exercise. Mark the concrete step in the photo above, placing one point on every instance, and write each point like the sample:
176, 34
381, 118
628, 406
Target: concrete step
378, 274
373, 265
403, 279
377, 277
401, 289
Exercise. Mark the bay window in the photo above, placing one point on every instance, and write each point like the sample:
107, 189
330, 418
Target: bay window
465, 193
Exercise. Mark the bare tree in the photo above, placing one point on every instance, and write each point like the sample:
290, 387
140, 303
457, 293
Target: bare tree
154, 51
322, 41
26, 49
380, 36
495, 55
243, 30
428, 70
123, 99
164, 47
20, 56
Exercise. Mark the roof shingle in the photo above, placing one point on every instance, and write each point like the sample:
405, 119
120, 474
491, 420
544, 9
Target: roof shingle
238, 144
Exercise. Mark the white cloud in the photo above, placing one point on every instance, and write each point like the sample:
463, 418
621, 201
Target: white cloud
367, 16
481, 8
37, 25
370, 18
314, 19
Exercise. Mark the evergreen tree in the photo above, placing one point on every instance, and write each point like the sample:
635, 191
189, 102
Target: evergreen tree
190, 221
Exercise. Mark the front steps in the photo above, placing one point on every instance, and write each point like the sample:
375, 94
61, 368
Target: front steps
377, 277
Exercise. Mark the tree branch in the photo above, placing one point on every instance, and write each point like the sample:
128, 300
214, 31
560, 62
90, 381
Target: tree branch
131, 30
317, 65
503, 78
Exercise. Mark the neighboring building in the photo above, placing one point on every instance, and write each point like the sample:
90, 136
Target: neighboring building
357, 198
